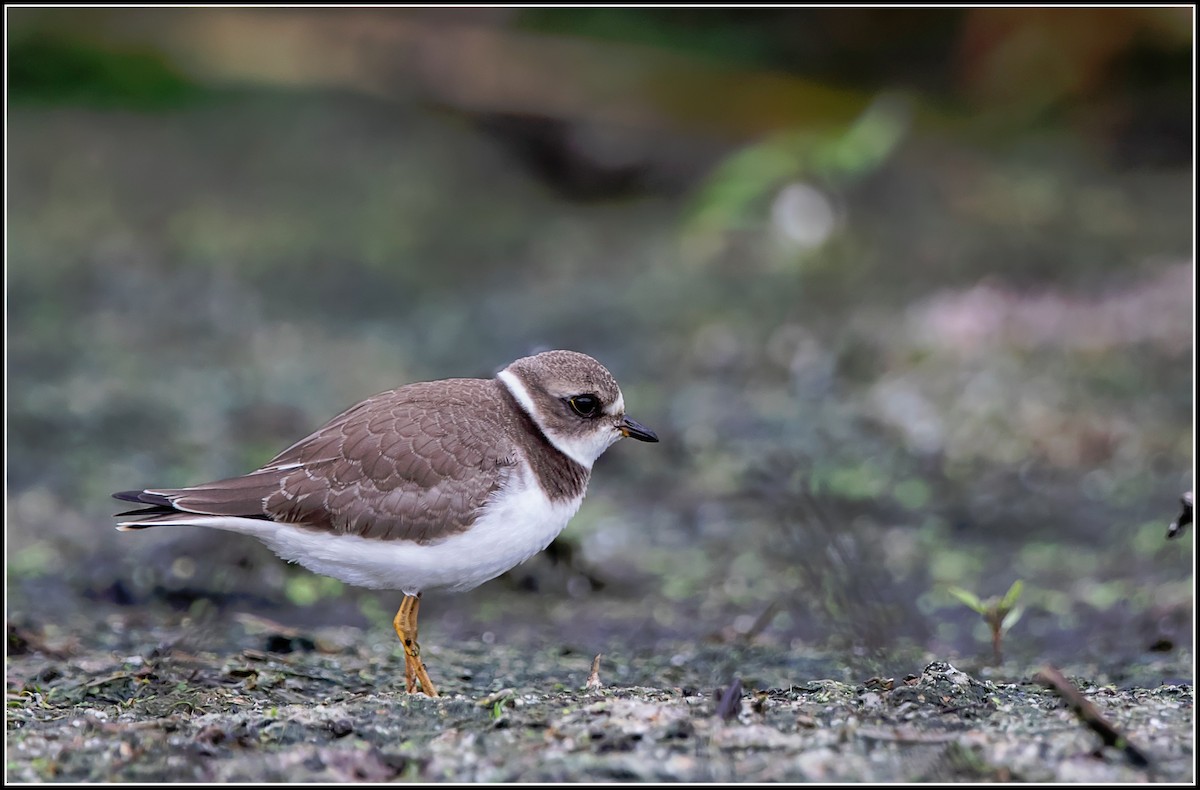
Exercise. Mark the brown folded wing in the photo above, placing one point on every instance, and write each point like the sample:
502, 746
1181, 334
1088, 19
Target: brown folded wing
416, 463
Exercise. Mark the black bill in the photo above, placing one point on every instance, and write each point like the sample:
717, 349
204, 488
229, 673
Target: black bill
635, 430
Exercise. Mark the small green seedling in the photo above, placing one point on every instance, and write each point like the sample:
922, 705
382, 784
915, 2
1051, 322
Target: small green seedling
1000, 614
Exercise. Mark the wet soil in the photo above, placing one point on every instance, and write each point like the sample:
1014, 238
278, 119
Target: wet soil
143, 703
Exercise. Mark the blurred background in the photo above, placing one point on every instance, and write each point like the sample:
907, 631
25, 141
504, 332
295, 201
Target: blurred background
907, 293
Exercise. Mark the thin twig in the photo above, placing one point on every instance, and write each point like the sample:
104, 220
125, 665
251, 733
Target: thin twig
1089, 714
762, 622
729, 701
593, 679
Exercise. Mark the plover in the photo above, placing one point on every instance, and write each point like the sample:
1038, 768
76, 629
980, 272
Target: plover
436, 485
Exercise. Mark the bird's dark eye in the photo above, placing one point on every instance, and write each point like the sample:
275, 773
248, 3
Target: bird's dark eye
585, 405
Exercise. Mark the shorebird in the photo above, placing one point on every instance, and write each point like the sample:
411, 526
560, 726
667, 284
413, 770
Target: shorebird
435, 485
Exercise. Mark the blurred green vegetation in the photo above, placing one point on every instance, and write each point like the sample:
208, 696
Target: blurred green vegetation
716, 34
738, 191
45, 67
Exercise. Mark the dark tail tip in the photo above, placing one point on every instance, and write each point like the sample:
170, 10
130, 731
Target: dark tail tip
143, 498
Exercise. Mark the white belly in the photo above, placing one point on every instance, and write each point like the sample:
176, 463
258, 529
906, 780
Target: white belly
518, 523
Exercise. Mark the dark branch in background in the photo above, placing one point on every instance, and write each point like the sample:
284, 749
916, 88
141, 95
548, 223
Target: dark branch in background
1183, 519
1088, 713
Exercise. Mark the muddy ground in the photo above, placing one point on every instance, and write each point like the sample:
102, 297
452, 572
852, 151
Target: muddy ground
329, 705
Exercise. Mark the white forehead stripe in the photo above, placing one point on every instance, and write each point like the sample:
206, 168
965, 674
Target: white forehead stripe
583, 450
618, 406
518, 391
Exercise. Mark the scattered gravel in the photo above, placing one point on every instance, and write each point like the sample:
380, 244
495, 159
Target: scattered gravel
509, 714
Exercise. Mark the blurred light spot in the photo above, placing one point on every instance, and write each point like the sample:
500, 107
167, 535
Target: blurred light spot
1147, 538
302, 591
859, 481
803, 215
1101, 595
743, 623
912, 494
143, 576
605, 539
904, 554
928, 603
372, 611
36, 559
748, 564
736, 588
947, 632
953, 567
183, 567
906, 408
1097, 485
488, 638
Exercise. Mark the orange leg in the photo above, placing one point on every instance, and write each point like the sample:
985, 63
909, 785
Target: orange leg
405, 624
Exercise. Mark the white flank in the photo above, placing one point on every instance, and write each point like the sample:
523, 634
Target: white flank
518, 523
584, 449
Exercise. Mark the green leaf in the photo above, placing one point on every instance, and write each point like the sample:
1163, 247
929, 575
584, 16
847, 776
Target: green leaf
1011, 618
968, 598
1010, 597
